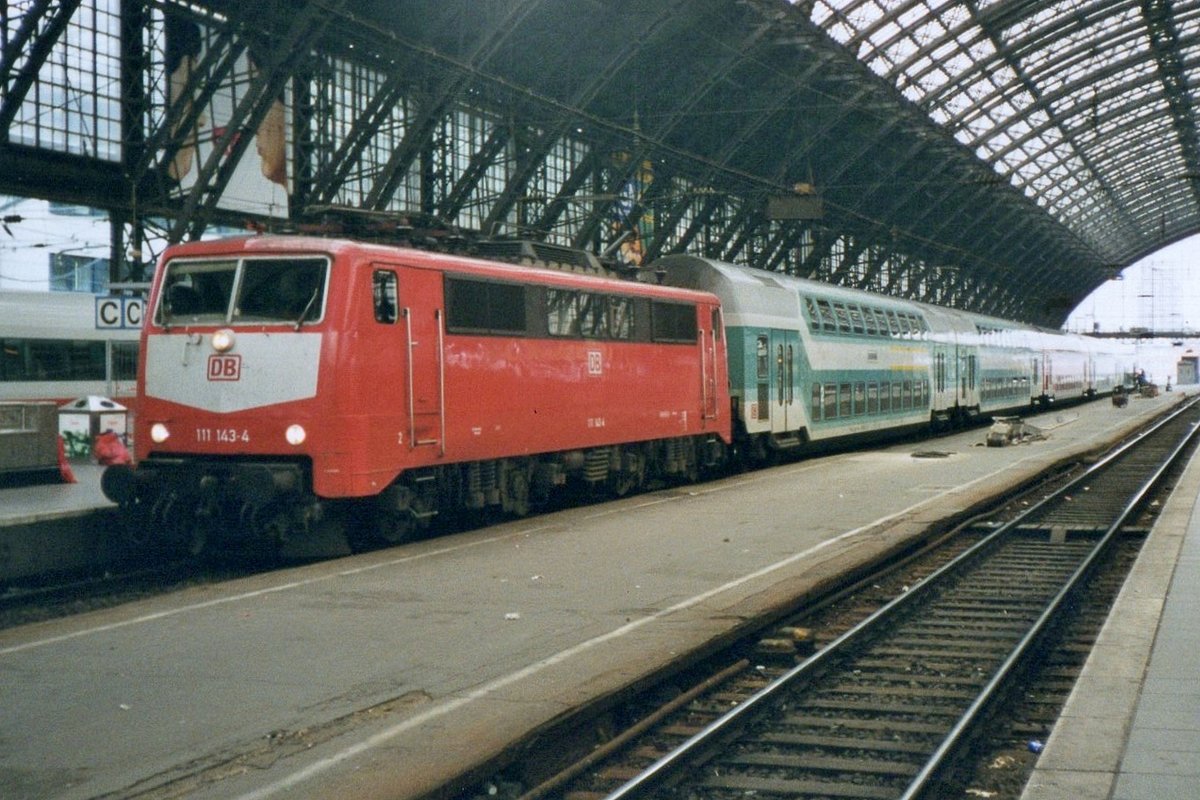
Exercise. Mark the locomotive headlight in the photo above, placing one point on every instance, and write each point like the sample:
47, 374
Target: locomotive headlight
222, 340
159, 433
295, 435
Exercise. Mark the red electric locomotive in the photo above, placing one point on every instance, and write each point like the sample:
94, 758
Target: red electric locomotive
302, 392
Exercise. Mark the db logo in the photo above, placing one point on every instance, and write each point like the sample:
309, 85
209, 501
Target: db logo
224, 368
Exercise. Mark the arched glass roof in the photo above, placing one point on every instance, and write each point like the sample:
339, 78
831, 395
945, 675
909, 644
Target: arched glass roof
1086, 106
1006, 156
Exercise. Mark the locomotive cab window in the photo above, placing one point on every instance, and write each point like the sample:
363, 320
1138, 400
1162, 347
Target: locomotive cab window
196, 291
281, 290
257, 290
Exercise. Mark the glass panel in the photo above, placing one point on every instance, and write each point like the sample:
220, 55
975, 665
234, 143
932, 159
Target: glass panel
281, 290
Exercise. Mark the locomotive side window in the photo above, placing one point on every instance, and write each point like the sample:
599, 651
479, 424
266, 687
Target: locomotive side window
562, 312
673, 322
384, 295
593, 316
474, 306
620, 317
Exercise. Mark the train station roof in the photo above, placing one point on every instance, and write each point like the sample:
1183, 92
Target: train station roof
1037, 146
1005, 156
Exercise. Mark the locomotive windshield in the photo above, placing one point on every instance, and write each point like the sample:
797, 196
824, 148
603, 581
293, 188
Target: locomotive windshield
248, 291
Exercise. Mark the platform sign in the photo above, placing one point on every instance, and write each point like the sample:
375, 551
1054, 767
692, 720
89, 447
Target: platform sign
119, 312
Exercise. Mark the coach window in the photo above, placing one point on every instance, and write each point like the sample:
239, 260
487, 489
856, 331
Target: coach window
860, 399
760, 357
124, 360
717, 327
856, 319
828, 319
885, 398
881, 318
383, 292
872, 398
908, 392
843, 317
869, 318
894, 323
845, 400
829, 400
816, 401
897, 396
810, 311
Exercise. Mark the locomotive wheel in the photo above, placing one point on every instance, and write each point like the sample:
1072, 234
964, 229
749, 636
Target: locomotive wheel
396, 527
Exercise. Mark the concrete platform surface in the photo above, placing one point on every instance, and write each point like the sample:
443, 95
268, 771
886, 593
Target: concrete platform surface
385, 674
1131, 728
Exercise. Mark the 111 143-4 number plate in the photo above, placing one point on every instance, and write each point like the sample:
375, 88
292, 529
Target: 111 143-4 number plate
223, 435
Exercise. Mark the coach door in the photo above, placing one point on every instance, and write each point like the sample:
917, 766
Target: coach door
968, 363
785, 375
422, 318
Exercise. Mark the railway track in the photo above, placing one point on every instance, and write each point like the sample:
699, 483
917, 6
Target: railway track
882, 710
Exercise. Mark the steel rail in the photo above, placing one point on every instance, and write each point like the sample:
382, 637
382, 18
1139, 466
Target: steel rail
665, 766
954, 738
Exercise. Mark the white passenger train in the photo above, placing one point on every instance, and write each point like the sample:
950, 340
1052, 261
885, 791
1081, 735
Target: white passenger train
812, 362
63, 345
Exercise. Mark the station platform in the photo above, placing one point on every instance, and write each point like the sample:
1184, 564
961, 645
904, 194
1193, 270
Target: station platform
388, 674
53, 526
1131, 727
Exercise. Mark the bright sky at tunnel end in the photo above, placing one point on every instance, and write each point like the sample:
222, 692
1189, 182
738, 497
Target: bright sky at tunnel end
1159, 293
